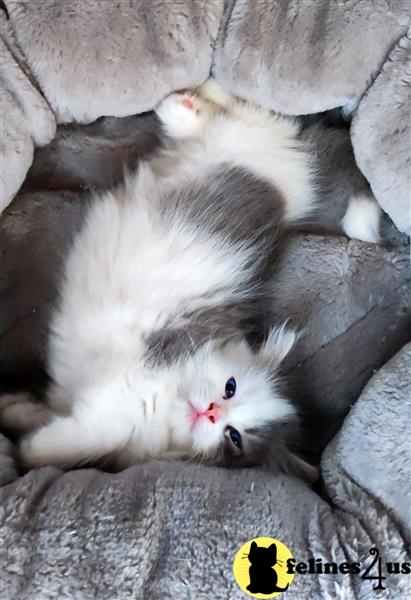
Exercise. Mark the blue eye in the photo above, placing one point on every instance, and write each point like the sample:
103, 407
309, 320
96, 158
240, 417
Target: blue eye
230, 388
235, 438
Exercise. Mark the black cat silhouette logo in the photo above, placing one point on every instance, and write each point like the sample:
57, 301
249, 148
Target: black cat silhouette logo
260, 568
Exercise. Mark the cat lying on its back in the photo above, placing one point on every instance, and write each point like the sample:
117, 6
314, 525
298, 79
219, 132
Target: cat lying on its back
146, 353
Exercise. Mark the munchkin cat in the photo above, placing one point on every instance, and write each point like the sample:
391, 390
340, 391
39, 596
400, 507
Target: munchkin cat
147, 349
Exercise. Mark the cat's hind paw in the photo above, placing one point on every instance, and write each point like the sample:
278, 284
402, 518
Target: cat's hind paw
362, 219
182, 114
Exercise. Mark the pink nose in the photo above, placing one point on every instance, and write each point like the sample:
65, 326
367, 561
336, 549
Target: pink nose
213, 412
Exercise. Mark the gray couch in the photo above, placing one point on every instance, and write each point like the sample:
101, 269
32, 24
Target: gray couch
172, 529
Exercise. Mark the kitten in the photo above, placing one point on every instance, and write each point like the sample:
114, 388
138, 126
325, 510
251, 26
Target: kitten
147, 354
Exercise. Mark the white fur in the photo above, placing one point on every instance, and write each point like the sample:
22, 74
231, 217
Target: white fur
138, 412
128, 272
244, 136
180, 121
278, 344
362, 219
210, 90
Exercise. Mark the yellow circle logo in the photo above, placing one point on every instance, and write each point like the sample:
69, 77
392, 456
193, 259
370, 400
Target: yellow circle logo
260, 568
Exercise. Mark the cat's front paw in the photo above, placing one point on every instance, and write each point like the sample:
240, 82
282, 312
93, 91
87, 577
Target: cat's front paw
182, 114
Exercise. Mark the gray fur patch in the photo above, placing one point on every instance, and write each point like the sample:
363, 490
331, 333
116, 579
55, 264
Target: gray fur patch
230, 205
246, 316
337, 177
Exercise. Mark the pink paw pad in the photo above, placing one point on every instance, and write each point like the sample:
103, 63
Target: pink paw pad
188, 103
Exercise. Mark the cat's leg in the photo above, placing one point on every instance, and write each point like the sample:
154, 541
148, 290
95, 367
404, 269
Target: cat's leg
22, 412
183, 114
213, 92
362, 218
344, 201
73, 440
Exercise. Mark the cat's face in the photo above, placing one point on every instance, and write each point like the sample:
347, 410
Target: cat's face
264, 557
232, 396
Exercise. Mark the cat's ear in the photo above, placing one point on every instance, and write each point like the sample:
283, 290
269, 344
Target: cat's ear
273, 548
253, 547
278, 344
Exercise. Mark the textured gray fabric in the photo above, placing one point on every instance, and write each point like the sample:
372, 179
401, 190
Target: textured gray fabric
299, 56
167, 530
353, 302
375, 459
95, 58
80, 60
381, 135
25, 118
